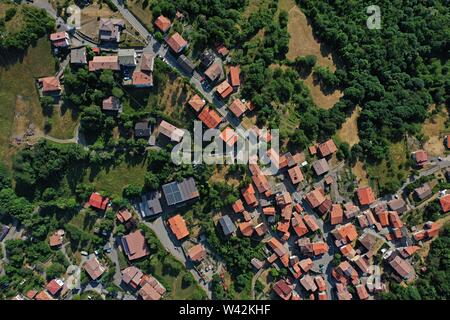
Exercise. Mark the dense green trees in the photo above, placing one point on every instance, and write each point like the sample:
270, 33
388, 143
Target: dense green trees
434, 283
394, 73
36, 23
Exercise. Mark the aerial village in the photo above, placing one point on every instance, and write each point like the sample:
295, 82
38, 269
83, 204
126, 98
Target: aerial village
333, 246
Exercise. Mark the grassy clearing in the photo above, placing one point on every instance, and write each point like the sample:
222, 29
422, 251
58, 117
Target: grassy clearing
114, 179
349, 130
434, 129
302, 43
177, 292
16, 23
19, 99
360, 172
64, 123
394, 170
144, 14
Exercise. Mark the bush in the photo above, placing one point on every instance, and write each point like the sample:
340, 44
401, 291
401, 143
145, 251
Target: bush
10, 13
187, 280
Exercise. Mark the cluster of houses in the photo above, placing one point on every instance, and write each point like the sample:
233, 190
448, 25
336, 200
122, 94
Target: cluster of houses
359, 230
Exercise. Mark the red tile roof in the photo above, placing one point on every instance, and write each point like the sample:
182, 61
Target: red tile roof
365, 196
421, 157
140, 78
54, 286
269, 211
97, 201
238, 206
224, 89
315, 198
93, 268
235, 72
50, 84
327, 148
261, 183
104, 63
311, 222
337, 214
176, 42
298, 225
249, 196
319, 248
383, 216
163, 23
395, 220
197, 103
295, 174
246, 228
56, 239
197, 252
283, 289
178, 226
237, 107
135, 245
445, 203
210, 118
123, 215
229, 136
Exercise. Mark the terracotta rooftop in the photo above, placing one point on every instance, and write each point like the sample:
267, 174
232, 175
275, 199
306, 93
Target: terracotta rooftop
50, 84
295, 174
445, 203
337, 214
365, 196
210, 118
178, 226
93, 268
104, 63
235, 79
197, 103
135, 245
229, 136
97, 201
237, 107
197, 252
224, 89
176, 42
163, 23
327, 148
238, 206
315, 198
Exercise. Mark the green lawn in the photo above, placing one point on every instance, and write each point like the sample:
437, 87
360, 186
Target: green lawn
143, 14
64, 122
393, 170
18, 90
114, 179
176, 290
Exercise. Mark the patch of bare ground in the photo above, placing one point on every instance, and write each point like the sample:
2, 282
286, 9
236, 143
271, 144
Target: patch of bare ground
349, 130
360, 172
302, 43
433, 129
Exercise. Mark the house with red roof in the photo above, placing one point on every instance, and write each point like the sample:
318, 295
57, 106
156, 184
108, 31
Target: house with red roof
60, 39
295, 174
163, 23
176, 42
178, 226
421, 158
134, 245
445, 203
237, 108
224, 90
55, 286
197, 103
365, 196
235, 76
315, 197
249, 196
283, 289
327, 148
337, 214
210, 118
97, 201
49, 85
238, 206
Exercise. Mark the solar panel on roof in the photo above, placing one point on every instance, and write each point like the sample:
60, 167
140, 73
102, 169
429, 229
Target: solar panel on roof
172, 193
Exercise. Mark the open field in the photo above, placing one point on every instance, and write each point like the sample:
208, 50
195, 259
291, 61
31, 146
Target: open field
113, 180
349, 130
19, 99
177, 292
394, 170
16, 23
143, 14
64, 123
434, 129
302, 43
